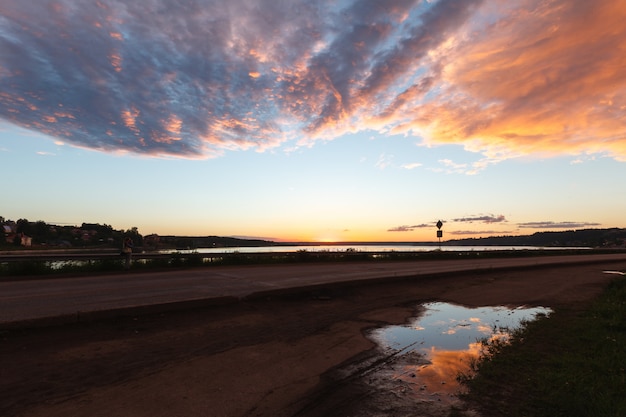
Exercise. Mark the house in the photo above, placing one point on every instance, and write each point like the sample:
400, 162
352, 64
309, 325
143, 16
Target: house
26, 240
9, 231
10, 234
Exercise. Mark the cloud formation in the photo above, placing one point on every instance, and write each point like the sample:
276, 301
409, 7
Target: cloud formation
197, 78
556, 225
478, 232
490, 218
410, 228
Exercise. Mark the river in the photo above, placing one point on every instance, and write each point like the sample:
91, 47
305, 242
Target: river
365, 248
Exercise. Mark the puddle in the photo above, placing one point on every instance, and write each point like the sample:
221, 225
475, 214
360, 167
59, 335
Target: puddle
429, 352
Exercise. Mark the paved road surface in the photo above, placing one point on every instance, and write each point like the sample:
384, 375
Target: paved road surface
50, 300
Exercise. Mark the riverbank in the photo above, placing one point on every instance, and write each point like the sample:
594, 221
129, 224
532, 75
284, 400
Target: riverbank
272, 356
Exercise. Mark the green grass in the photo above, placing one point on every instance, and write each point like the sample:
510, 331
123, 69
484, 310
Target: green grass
570, 364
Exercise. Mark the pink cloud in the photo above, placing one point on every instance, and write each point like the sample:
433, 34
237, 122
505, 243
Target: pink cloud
545, 78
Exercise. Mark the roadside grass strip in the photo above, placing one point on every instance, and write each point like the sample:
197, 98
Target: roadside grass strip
571, 363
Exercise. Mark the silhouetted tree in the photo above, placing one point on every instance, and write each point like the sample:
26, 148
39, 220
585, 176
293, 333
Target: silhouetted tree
24, 226
40, 232
133, 233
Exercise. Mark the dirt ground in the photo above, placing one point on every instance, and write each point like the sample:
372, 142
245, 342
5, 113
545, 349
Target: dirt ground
300, 355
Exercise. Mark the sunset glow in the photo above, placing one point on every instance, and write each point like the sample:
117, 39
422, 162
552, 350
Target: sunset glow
317, 120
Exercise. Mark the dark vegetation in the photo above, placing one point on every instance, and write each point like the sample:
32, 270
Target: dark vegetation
191, 242
95, 235
94, 262
571, 364
43, 235
594, 238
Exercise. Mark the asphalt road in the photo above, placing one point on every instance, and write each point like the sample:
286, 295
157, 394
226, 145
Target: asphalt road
50, 300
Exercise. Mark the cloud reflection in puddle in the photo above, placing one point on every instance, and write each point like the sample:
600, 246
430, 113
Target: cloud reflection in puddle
435, 347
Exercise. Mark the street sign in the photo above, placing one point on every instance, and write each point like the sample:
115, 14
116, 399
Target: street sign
439, 232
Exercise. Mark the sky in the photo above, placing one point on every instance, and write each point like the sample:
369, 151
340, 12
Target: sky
315, 120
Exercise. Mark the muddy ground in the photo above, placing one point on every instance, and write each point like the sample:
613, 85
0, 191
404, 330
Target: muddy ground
300, 355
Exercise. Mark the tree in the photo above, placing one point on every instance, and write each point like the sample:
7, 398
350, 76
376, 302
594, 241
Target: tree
24, 226
41, 231
103, 232
133, 233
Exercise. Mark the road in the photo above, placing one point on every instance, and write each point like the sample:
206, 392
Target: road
80, 298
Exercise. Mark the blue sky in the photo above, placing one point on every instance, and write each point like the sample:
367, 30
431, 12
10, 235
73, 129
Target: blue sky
315, 121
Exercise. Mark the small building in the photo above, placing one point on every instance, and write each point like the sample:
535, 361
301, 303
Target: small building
26, 240
8, 232
12, 237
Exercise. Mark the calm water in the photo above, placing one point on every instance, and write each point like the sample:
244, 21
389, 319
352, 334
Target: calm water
442, 342
361, 248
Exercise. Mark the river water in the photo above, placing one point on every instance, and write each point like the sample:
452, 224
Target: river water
361, 248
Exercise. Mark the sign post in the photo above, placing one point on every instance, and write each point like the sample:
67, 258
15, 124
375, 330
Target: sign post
439, 232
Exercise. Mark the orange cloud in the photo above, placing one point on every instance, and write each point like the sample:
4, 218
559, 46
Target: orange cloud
440, 375
174, 125
129, 117
64, 115
546, 79
116, 62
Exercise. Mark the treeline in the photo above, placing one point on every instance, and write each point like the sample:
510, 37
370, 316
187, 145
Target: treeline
595, 238
41, 234
190, 242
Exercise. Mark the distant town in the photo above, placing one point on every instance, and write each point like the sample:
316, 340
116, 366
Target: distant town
22, 234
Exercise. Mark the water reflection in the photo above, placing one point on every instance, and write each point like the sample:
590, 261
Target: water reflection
363, 248
435, 347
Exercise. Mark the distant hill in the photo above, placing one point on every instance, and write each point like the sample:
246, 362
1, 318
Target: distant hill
614, 237
193, 242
